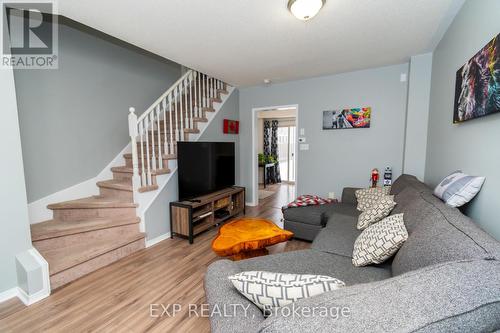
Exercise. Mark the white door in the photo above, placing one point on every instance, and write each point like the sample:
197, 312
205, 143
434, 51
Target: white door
286, 152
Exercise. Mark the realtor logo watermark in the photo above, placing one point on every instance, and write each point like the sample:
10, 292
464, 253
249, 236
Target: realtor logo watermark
29, 35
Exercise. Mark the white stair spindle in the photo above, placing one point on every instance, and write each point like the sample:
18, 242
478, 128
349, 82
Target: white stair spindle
153, 152
132, 130
172, 119
160, 151
209, 79
202, 78
180, 125
213, 88
196, 105
165, 137
191, 98
143, 167
186, 104
148, 160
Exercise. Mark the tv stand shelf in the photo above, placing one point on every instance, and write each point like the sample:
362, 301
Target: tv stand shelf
190, 218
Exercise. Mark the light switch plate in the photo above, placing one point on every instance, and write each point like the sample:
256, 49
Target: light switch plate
302, 131
304, 146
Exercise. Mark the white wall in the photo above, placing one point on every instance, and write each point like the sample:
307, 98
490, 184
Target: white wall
419, 89
74, 119
336, 158
471, 146
14, 224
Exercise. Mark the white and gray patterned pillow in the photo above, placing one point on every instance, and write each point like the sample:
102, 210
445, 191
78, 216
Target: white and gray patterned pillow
380, 241
380, 209
368, 196
458, 188
272, 290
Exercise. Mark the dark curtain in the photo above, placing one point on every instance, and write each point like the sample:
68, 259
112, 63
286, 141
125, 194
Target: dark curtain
274, 150
267, 135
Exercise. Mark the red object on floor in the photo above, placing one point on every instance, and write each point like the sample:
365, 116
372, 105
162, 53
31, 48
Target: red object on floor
231, 126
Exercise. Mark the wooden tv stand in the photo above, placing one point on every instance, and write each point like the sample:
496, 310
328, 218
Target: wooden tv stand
190, 218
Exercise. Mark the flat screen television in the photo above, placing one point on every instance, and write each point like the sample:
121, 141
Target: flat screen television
204, 167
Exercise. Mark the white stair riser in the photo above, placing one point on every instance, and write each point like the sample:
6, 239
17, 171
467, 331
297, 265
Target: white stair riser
61, 278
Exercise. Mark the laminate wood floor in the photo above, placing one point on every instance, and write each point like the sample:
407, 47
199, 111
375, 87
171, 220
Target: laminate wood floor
117, 298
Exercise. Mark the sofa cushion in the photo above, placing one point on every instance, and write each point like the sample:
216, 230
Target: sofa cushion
338, 236
272, 290
458, 188
309, 214
415, 208
441, 234
220, 292
318, 214
380, 209
405, 181
380, 241
449, 297
366, 197
316, 262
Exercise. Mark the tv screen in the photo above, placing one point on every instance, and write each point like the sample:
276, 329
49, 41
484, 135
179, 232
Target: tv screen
204, 167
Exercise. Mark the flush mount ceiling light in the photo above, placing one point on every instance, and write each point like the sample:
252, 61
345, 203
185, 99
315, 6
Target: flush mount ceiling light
305, 9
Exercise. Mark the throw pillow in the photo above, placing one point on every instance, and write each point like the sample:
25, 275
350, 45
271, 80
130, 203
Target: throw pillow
380, 209
458, 188
368, 196
272, 290
380, 241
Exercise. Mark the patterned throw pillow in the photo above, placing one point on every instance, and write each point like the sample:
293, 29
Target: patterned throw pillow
380, 241
272, 290
458, 188
380, 209
368, 196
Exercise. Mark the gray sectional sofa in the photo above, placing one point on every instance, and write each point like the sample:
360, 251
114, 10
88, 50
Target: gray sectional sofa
445, 278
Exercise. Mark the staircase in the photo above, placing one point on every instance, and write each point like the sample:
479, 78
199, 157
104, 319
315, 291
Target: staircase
89, 233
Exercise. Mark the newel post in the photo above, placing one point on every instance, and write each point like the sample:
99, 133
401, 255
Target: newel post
132, 129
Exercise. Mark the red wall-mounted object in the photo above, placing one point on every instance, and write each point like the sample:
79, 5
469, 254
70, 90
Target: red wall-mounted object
231, 126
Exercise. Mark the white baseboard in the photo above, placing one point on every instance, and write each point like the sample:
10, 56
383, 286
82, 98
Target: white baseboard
251, 204
8, 294
158, 239
38, 211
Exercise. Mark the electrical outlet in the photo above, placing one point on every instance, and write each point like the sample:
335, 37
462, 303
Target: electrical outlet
331, 195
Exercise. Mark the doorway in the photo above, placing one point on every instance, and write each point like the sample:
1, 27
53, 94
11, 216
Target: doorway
274, 145
286, 152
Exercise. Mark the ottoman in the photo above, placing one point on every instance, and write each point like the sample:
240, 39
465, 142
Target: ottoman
306, 222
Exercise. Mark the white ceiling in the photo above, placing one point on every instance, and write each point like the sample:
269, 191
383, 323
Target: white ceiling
246, 41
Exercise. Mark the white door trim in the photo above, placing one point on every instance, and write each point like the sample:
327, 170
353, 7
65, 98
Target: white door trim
255, 169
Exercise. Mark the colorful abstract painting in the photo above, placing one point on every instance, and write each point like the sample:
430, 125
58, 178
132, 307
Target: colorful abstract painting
477, 89
347, 118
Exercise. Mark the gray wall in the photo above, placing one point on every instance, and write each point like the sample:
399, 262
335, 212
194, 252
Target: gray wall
417, 118
14, 224
471, 146
157, 216
336, 158
74, 120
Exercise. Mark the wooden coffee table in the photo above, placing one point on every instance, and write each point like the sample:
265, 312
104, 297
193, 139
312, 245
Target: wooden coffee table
248, 237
